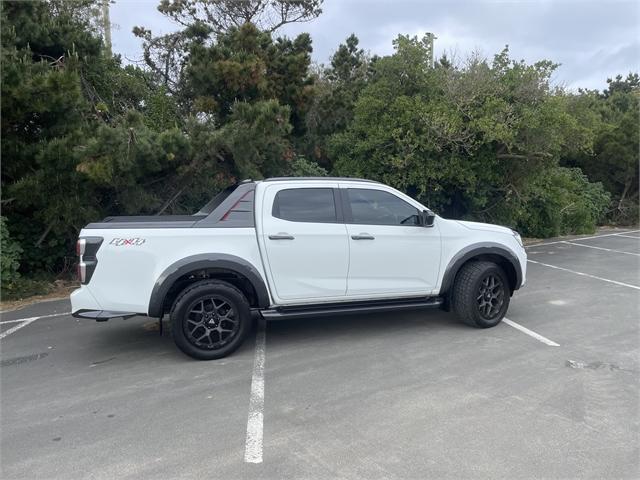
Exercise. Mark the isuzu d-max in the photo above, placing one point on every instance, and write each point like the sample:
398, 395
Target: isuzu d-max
293, 247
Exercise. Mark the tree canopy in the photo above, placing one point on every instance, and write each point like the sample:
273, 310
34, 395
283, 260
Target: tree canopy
227, 97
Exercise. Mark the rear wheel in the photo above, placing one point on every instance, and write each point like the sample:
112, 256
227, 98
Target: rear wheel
481, 294
210, 319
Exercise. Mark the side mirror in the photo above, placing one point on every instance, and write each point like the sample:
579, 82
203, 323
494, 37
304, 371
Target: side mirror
428, 217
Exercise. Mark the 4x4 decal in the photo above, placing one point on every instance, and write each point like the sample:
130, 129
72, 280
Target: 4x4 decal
123, 242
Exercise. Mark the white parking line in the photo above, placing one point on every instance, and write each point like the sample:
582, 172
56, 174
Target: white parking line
25, 322
16, 328
627, 236
583, 238
12, 321
602, 248
34, 318
586, 275
531, 333
255, 421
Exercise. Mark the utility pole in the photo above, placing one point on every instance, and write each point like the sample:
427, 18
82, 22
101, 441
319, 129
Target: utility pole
430, 37
106, 27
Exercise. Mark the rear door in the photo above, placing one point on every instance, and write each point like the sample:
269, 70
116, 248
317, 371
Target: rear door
391, 253
305, 239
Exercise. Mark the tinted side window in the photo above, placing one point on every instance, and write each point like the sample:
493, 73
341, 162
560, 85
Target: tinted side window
315, 205
375, 207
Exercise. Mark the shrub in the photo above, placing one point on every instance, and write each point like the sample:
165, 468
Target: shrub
10, 253
303, 167
561, 201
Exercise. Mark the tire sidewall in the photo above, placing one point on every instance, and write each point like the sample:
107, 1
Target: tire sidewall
479, 319
194, 292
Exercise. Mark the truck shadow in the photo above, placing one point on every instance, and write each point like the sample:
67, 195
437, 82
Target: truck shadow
369, 326
140, 338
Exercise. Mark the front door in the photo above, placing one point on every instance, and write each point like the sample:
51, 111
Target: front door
391, 253
305, 241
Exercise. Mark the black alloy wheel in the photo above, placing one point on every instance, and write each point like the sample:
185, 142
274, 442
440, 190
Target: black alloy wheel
211, 323
210, 319
490, 296
481, 293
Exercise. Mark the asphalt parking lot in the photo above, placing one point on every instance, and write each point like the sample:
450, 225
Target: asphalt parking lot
554, 393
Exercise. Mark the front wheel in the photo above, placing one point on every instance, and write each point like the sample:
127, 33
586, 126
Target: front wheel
481, 294
210, 319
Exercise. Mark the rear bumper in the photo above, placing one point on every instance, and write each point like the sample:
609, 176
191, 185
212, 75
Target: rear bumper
102, 315
85, 305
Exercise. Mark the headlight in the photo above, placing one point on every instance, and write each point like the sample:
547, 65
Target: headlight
518, 238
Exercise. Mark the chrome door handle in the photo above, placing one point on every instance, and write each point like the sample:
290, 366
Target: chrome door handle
281, 236
363, 236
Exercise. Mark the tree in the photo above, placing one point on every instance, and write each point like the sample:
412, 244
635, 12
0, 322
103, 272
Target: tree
618, 85
206, 20
470, 142
247, 65
81, 135
223, 15
613, 118
336, 89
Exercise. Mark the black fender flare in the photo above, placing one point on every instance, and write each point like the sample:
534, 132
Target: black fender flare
229, 263
475, 250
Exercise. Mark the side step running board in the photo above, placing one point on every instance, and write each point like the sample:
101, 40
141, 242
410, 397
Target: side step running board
320, 310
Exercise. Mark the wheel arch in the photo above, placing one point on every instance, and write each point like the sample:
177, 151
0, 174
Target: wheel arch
230, 268
492, 252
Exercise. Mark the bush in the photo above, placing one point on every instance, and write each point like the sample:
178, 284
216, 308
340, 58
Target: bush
302, 167
10, 253
562, 201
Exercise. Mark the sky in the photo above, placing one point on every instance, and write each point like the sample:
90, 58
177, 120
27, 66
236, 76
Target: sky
591, 39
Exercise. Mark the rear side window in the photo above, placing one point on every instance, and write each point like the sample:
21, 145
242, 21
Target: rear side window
375, 207
316, 205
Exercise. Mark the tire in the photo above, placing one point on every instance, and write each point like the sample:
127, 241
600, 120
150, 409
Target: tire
210, 319
481, 294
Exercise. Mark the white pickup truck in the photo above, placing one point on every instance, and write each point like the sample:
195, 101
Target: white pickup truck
293, 247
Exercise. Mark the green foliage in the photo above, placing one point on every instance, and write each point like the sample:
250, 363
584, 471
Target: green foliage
14, 286
559, 201
247, 65
224, 99
255, 137
614, 160
336, 90
303, 167
9, 255
470, 141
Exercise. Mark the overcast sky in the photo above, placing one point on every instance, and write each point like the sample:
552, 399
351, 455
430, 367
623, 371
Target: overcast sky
592, 39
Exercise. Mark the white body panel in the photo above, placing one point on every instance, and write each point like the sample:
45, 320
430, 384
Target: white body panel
399, 261
322, 264
312, 265
125, 275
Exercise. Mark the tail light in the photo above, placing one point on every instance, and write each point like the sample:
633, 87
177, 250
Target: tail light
86, 249
81, 246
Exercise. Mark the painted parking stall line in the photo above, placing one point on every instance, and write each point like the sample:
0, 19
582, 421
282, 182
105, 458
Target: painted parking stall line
4, 322
582, 274
255, 420
29, 319
628, 236
531, 333
602, 248
23, 322
16, 328
581, 239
